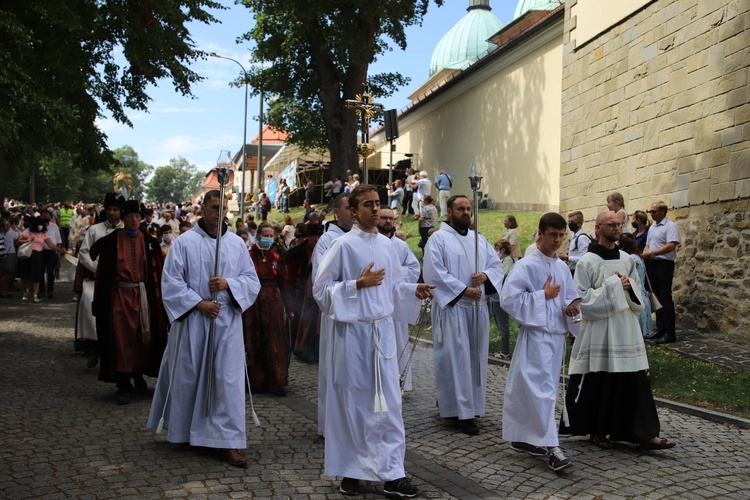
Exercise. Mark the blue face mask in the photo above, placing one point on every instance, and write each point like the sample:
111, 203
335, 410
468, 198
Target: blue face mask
265, 243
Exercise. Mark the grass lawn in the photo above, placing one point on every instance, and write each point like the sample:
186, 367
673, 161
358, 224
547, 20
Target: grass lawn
674, 376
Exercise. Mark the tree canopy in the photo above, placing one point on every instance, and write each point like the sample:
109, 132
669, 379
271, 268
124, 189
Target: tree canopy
175, 182
63, 62
320, 54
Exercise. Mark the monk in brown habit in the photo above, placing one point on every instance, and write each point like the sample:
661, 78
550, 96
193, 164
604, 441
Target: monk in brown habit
131, 324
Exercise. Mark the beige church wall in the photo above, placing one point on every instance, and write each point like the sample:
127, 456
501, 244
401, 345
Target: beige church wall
658, 107
507, 116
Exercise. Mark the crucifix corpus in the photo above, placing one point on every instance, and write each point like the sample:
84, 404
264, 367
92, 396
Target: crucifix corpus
362, 106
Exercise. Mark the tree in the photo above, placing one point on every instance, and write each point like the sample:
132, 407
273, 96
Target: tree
175, 182
63, 62
320, 54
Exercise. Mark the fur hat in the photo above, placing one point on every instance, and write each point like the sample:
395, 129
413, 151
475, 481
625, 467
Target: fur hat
131, 207
113, 200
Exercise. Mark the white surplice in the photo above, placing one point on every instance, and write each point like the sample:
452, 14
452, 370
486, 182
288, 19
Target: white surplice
531, 388
86, 323
333, 231
187, 269
364, 428
460, 348
410, 270
610, 339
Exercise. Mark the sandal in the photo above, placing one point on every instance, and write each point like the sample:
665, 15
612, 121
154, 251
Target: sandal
603, 443
662, 444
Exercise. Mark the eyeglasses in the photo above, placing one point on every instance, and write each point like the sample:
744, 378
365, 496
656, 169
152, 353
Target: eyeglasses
612, 224
386, 218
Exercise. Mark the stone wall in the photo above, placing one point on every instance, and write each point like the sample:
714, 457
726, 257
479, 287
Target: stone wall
658, 107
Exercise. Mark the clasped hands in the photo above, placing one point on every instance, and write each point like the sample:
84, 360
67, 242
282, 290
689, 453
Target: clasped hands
207, 307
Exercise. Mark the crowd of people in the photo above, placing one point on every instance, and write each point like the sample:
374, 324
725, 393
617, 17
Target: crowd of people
154, 301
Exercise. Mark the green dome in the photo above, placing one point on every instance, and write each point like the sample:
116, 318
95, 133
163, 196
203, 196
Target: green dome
525, 6
467, 41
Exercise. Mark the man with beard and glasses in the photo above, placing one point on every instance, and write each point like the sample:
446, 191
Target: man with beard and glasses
410, 270
610, 394
334, 230
460, 328
359, 284
537, 295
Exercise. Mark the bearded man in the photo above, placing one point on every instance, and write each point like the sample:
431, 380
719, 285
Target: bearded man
460, 318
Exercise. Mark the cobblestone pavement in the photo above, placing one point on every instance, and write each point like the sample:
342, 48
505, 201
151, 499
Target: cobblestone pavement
63, 436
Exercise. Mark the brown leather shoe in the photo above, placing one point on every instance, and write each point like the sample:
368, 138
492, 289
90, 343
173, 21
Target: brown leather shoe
234, 458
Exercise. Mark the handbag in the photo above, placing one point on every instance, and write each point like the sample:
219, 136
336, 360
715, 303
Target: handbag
24, 251
655, 304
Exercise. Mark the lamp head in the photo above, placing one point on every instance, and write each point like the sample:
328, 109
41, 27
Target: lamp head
475, 175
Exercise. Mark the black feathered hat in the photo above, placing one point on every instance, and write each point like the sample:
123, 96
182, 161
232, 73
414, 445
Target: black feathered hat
113, 200
131, 207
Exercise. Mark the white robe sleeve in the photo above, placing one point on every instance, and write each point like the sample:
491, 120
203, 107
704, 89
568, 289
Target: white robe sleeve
604, 301
179, 299
336, 297
89, 238
493, 266
245, 286
447, 286
526, 307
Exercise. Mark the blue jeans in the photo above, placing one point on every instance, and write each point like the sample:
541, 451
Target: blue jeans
502, 319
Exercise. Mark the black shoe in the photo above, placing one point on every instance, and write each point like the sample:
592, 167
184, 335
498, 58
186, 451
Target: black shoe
654, 336
349, 486
533, 450
93, 359
468, 427
400, 488
123, 396
140, 384
666, 339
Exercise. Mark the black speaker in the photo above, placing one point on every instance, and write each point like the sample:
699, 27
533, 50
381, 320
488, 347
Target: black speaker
391, 125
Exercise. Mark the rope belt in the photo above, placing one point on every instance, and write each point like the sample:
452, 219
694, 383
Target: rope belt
380, 405
145, 333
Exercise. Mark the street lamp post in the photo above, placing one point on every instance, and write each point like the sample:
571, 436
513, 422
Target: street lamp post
244, 135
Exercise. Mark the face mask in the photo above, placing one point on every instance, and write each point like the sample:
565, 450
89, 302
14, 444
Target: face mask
265, 243
167, 237
573, 226
634, 225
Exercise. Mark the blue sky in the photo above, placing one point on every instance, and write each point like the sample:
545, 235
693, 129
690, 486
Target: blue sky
198, 128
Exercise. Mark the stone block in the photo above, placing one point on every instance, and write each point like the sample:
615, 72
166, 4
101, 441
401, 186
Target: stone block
686, 164
722, 192
742, 188
737, 97
720, 174
718, 157
664, 182
739, 165
696, 78
650, 51
737, 61
682, 132
680, 198
731, 28
703, 133
692, 62
682, 182
651, 135
633, 134
685, 149
698, 192
731, 135
723, 120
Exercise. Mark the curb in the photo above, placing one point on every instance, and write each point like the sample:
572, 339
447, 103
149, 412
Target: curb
695, 411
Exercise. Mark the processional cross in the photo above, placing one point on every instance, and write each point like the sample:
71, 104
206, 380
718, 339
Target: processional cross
366, 109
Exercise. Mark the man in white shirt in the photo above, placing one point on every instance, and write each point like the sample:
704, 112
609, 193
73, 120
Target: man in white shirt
422, 187
660, 254
49, 255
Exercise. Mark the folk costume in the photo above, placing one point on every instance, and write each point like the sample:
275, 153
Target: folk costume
460, 357
531, 388
609, 395
267, 342
131, 323
364, 429
181, 388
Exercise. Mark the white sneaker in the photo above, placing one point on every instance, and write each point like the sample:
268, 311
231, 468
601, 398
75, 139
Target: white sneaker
557, 460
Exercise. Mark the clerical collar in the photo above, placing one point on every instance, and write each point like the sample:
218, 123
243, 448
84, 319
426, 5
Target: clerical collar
202, 225
603, 252
335, 223
463, 232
